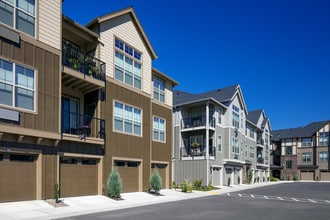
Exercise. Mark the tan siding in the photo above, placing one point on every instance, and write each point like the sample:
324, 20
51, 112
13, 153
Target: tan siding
123, 28
49, 22
49, 175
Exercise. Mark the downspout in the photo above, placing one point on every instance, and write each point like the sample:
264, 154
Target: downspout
207, 143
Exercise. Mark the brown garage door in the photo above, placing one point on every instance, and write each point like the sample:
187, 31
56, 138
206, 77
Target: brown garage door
129, 174
78, 176
305, 175
18, 177
325, 176
162, 172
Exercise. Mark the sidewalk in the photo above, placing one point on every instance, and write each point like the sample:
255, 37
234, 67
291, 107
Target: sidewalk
40, 209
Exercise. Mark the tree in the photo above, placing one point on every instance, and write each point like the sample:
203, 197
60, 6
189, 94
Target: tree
155, 181
114, 184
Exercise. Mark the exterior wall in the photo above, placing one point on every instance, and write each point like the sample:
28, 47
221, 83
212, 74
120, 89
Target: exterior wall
49, 18
124, 28
289, 174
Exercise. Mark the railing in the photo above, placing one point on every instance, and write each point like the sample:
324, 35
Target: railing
76, 59
197, 152
197, 122
260, 160
83, 125
260, 142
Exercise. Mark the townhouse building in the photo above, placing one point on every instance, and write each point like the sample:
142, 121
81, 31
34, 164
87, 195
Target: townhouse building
77, 101
215, 140
304, 151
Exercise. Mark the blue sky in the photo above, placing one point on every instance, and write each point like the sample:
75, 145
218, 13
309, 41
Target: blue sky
277, 50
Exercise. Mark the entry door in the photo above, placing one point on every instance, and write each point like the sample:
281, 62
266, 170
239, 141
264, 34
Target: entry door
70, 110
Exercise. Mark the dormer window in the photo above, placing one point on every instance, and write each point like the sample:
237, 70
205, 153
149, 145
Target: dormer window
159, 89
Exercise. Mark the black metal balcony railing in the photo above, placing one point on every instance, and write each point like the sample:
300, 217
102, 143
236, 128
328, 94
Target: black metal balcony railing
260, 160
78, 60
196, 122
83, 125
197, 152
260, 142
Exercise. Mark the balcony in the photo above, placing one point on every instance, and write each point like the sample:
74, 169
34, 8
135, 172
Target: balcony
190, 153
260, 142
196, 122
83, 126
80, 70
260, 160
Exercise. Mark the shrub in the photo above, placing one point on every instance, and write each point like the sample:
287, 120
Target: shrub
56, 192
228, 181
114, 184
198, 183
186, 186
155, 181
250, 176
174, 185
238, 180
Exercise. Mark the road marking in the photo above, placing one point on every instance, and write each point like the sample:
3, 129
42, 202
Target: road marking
311, 200
279, 198
327, 201
239, 195
266, 197
252, 196
294, 199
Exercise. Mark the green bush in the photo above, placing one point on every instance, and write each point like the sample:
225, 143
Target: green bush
228, 181
114, 184
155, 181
250, 176
198, 183
56, 192
174, 185
186, 186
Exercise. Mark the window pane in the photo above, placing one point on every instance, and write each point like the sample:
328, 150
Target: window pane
155, 124
119, 75
137, 82
118, 124
162, 97
137, 69
25, 23
137, 128
137, 115
6, 12
24, 99
129, 64
26, 5
6, 94
119, 59
6, 71
119, 44
161, 136
128, 78
155, 135
128, 127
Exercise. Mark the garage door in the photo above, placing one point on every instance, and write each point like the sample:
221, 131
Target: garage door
78, 176
304, 175
129, 174
325, 176
162, 173
18, 174
216, 175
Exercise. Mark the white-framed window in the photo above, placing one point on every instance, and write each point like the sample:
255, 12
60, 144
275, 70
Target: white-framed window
306, 157
235, 119
219, 116
219, 146
159, 89
17, 85
159, 129
324, 157
251, 151
127, 119
306, 142
235, 146
324, 138
246, 151
128, 64
19, 14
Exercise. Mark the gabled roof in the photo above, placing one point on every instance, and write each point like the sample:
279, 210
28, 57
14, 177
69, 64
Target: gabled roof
135, 20
305, 131
253, 116
156, 71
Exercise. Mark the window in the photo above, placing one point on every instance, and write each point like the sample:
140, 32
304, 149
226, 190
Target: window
159, 129
306, 142
219, 148
252, 150
324, 138
159, 89
288, 150
219, 116
323, 157
251, 131
127, 119
19, 14
306, 157
235, 147
127, 64
288, 164
17, 87
245, 151
235, 120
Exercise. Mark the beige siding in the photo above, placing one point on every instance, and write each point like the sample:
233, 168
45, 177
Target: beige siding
49, 22
168, 95
123, 28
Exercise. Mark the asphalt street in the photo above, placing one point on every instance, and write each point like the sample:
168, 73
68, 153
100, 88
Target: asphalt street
296, 200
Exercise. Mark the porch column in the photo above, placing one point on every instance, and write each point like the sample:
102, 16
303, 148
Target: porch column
207, 143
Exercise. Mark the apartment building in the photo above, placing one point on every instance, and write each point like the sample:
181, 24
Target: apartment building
304, 151
77, 101
216, 140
